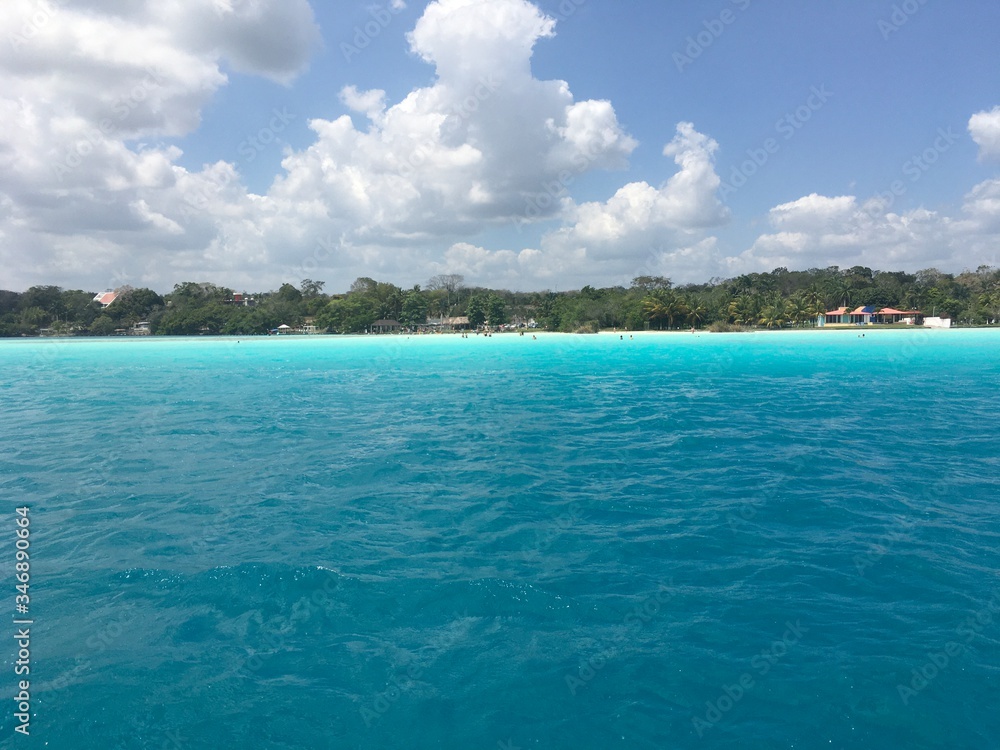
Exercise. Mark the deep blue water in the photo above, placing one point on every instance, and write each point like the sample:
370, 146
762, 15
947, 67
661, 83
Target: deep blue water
710, 541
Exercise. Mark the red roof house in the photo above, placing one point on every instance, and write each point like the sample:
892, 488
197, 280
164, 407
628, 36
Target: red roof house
106, 298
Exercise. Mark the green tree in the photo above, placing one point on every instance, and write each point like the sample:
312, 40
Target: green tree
354, 313
774, 314
190, 293
249, 321
654, 310
36, 317
103, 326
449, 286
414, 310
80, 308
288, 293
696, 314
135, 305
10, 301
496, 310
797, 310
476, 310
310, 288
193, 320
48, 298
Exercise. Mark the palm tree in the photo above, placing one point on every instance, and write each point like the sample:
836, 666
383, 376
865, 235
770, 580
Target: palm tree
815, 303
991, 303
743, 310
654, 309
773, 316
845, 292
676, 308
795, 310
696, 314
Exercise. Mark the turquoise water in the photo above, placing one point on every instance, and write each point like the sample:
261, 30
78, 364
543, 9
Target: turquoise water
686, 541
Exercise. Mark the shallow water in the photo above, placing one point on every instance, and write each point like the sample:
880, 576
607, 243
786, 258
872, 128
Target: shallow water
681, 541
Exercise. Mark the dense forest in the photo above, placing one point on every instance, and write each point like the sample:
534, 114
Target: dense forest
778, 299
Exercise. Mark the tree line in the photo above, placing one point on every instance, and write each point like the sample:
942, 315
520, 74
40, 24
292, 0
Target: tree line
778, 299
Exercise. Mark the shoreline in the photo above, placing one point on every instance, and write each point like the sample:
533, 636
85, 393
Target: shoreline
528, 334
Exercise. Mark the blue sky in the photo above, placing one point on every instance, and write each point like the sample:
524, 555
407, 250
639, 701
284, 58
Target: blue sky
800, 135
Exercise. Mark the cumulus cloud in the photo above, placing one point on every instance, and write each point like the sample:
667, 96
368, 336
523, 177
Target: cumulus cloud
985, 130
88, 91
480, 147
982, 209
641, 230
475, 147
820, 231
400, 188
641, 221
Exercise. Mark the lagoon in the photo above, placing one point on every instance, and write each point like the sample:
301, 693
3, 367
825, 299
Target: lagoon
679, 540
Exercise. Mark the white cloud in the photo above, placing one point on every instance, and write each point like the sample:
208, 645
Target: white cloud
369, 103
82, 81
475, 149
820, 231
469, 39
814, 212
985, 130
982, 208
404, 189
641, 222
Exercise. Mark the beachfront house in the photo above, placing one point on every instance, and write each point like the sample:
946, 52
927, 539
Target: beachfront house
840, 316
862, 316
867, 315
438, 325
890, 315
385, 326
